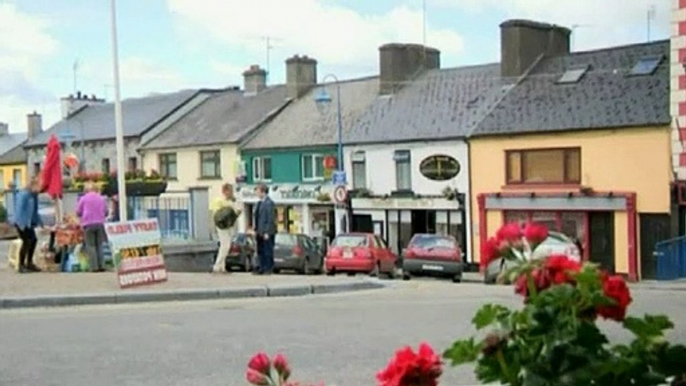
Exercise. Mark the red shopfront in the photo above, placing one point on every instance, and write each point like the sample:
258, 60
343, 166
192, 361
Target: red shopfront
590, 219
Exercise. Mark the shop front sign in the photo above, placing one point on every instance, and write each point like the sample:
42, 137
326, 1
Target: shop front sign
299, 194
287, 193
439, 167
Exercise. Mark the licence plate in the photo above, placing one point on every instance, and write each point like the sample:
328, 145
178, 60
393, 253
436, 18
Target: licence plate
278, 260
348, 254
430, 267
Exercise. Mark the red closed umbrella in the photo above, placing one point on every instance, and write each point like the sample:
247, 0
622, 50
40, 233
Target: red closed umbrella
52, 170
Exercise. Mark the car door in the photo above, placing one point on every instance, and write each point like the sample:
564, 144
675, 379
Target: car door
384, 255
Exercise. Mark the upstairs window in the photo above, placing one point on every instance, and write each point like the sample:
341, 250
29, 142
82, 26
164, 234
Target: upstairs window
105, 168
262, 169
133, 164
403, 170
646, 65
167, 165
359, 170
210, 164
544, 166
312, 167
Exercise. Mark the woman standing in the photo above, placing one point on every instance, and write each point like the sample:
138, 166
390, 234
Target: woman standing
92, 209
225, 214
26, 218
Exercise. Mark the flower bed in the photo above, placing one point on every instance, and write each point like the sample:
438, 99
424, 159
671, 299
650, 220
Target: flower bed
137, 183
553, 339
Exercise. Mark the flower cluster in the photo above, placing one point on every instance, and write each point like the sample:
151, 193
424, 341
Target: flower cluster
260, 371
510, 239
89, 176
409, 368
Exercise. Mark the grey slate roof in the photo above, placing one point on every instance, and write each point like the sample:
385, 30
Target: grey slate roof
604, 98
139, 114
11, 149
226, 117
302, 125
441, 104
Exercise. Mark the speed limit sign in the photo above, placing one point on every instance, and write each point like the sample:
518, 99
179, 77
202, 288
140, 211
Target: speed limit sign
340, 194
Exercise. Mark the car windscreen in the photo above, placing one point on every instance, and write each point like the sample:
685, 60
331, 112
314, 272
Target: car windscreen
286, 240
430, 241
350, 241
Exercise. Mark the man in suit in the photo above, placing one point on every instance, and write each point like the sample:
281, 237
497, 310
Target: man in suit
265, 230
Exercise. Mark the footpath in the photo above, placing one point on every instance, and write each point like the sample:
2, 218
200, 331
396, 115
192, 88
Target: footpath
74, 289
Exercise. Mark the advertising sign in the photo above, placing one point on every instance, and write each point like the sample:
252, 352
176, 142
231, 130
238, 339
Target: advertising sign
137, 252
439, 167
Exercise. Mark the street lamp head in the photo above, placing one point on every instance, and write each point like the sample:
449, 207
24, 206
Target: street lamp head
323, 101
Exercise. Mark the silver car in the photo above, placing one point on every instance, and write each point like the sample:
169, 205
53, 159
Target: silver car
556, 243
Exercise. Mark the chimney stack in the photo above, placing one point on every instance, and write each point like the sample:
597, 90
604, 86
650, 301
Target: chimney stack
254, 80
4, 129
523, 41
400, 63
71, 104
301, 75
34, 123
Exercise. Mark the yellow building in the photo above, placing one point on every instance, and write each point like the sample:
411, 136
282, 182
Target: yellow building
582, 144
12, 161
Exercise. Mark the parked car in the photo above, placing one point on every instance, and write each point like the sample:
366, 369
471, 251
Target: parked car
433, 255
556, 243
242, 253
361, 253
297, 252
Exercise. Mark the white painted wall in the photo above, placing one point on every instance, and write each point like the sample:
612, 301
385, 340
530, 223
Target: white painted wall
188, 167
381, 179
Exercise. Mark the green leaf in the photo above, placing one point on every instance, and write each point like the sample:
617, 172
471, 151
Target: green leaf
650, 326
489, 314
463, 351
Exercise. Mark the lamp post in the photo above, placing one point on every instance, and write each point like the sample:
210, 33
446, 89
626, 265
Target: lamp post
121, 178
323, 101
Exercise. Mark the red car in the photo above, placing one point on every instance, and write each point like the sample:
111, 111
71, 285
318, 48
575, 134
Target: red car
433, 255
360, 253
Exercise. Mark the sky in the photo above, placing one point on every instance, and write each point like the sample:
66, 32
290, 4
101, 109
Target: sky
168, 45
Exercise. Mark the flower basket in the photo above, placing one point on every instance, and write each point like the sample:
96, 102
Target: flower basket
137, 188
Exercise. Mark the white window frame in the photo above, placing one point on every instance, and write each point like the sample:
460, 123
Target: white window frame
359, 158
258, 169
403, 156
313, 158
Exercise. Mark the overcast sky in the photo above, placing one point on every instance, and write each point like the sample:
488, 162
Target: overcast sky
167, 45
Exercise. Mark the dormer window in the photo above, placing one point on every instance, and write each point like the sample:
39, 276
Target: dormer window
573, 75
646, 65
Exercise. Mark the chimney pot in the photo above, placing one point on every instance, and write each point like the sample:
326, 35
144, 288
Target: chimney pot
400, 63
301, 75
523, 41
34, 123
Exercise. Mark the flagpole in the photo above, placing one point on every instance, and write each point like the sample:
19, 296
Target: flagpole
121, 177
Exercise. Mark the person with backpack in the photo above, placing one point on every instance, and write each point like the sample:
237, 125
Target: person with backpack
225, 215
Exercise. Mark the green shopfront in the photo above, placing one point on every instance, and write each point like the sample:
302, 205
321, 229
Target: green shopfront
299, 184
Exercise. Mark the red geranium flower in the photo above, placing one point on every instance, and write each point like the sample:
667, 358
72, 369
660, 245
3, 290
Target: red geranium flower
616, 289
260, 363
560, 268
511, 233
540, 278
535, 233
489, 252
281, 367
408, 368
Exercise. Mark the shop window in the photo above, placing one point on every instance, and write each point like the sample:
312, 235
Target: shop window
546, 166
105, 166
36, 168
16, 177
359, 170
210, 164
262, 169
312, 167
167, 165
403, 170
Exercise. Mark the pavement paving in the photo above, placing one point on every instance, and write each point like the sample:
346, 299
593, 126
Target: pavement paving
343, 339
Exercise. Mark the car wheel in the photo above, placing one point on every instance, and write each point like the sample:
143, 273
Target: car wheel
331, 272
457, 279
406, 276
276, 271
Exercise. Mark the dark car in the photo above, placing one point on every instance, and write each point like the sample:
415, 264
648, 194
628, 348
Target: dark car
297, 252
433, 255
242, 252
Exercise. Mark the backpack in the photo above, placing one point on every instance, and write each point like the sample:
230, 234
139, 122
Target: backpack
225, 217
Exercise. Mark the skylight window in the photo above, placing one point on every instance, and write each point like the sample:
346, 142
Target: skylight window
573, 75
646, 65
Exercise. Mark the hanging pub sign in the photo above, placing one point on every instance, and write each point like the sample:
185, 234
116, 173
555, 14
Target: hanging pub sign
439, 167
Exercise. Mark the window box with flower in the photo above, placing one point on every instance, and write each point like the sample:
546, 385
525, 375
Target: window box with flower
138, 183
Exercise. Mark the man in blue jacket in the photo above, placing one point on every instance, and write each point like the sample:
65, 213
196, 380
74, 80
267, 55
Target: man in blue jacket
26, 218
265, 230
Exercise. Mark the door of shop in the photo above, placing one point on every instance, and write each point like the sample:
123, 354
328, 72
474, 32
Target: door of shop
601, 239
423, 221
655, 227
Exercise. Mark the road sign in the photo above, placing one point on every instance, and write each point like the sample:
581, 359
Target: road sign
339, 177
340, 194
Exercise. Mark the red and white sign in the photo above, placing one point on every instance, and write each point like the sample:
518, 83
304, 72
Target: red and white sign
340, 194
137, 252
330, 162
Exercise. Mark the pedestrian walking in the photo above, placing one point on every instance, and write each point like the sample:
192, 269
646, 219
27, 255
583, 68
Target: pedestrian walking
92, 210
225, 215
265, 230
26, 219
